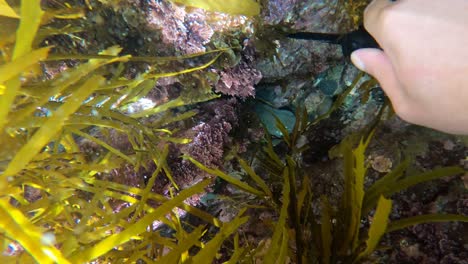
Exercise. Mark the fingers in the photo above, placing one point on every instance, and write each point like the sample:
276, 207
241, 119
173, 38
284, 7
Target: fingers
373, 14
376, 63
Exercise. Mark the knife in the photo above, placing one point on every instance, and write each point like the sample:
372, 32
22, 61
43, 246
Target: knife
349, 42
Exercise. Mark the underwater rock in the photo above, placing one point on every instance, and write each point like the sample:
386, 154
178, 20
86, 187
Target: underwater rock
210, 140
308, 15
310, 74
187, 30
318, 97
274, 95
297, 59
163, 28
332, 81
267, 115
293, 58
317, 104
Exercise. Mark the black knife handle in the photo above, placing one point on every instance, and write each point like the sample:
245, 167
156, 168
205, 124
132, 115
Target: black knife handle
357, 39
349, 42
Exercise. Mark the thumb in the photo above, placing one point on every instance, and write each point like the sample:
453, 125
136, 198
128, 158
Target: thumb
376, 63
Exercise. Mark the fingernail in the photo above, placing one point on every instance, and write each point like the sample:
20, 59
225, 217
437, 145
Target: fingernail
357, 61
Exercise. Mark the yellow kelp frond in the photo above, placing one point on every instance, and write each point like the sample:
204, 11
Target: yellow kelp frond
31, 15
233, 7
236, 182
279, 240
62, 183
21, 64
6, 10
208, 251
51, 127
427, 218
17, 227
378, 226
139, 227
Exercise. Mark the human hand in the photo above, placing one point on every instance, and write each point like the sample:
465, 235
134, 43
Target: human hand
423, 67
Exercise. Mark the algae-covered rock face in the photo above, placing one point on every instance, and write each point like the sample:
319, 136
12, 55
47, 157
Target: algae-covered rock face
164, 28
309, 74
161, 27
319, 95
332, 81
302, 58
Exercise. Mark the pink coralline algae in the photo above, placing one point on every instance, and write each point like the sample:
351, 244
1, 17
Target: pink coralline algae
239, 81
213, 136
209, 142
187, 29
187, 34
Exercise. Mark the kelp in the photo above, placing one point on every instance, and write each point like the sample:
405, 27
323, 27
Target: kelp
233, 7
208, 252
339, 236
54, 203
348, 12
280, 233
6, 10
231, 179
16, 226
378, 227
354, 173
29, 23
131, 231
393, 182
427, 218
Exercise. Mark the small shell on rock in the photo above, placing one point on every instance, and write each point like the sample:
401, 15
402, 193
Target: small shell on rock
381, 164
